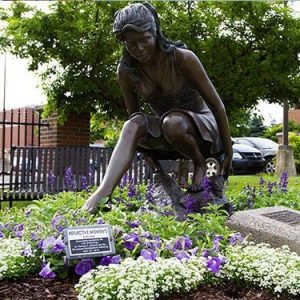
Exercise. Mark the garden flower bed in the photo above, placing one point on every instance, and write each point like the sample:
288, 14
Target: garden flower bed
156, 255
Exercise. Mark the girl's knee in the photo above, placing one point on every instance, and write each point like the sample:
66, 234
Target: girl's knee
134, 127
174, 125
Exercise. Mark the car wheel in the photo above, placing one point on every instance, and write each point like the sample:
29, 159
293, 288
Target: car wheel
270, 166
213, 167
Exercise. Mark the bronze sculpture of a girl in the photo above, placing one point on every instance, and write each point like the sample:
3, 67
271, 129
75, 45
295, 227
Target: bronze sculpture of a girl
188, 114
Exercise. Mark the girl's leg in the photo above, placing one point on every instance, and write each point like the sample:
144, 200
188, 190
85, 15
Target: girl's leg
120, 161
180, 132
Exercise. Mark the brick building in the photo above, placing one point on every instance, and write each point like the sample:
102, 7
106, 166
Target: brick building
74, 132
294, 114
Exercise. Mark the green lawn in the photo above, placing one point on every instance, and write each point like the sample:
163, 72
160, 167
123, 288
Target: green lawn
237, 182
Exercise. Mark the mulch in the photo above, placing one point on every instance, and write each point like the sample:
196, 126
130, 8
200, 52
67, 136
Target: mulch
38, 288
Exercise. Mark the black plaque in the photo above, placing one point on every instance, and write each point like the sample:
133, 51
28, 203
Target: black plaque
285, 216
88, 241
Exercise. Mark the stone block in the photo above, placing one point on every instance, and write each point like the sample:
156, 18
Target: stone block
285, 161
276, 226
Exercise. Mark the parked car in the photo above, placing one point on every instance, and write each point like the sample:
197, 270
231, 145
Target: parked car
245, 160
267, 147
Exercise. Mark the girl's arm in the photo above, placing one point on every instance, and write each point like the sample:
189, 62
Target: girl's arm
128, 90
194, 72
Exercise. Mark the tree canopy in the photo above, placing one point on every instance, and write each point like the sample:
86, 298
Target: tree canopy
250, 51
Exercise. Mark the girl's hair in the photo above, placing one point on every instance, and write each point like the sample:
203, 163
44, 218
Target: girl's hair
141, 17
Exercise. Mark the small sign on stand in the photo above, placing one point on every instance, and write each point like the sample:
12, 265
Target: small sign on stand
88, 241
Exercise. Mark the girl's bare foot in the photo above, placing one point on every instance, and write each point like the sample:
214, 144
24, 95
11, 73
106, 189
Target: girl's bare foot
199, 173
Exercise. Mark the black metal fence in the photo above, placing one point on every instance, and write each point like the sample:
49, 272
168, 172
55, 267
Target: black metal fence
18, 127
35, 171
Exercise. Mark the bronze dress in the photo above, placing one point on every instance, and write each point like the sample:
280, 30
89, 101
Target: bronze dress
174, 93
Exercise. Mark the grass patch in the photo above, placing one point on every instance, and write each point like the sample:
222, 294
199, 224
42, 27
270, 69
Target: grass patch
238, 182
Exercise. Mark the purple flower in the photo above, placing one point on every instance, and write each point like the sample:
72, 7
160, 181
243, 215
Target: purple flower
130, 240
1, 234
100, 221
58, 223
84, 266
131, 190
194, 251
84, 183
251, 197
52, 245
19, 230
124, 180
105, 260
148, 254
39, 244
149, 193
69, 180
146, 235
59, 246
69, 176
205, 253
261, 181
283, 181
46, 272
33, 236
247, 188
182, 255
155, 243
27, 252
206, 188
51, 178
235, 238
182, 243
47, 244
214, 264
116, 259
192, 204
270, 188
134, 224
216, 242
27, 212
168, 246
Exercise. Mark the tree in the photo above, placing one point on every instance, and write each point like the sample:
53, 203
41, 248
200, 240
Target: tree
74, 51
249, 49
256, 125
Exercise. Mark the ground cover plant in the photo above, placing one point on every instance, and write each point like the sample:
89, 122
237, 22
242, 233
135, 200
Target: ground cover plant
155, 254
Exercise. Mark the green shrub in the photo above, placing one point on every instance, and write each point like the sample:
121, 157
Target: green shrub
294, 141
271, 132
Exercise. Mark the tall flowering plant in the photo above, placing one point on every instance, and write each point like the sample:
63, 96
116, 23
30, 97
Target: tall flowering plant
266, 193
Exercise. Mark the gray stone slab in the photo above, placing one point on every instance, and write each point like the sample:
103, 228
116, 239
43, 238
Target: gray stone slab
276, 226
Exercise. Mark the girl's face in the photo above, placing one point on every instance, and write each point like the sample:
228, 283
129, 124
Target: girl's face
140, 45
